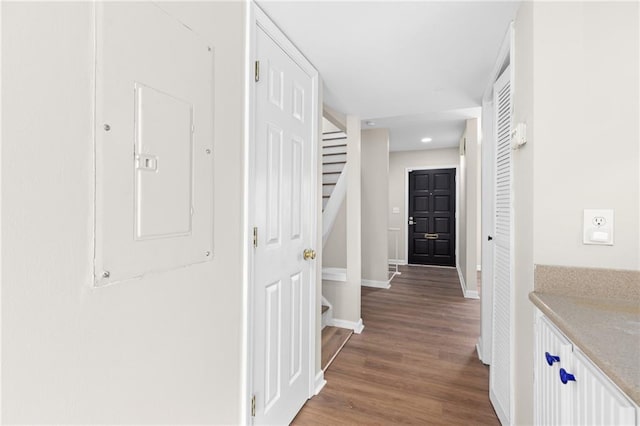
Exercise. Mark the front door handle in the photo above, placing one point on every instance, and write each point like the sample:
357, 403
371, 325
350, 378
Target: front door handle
431, 236
411, 222
309, 254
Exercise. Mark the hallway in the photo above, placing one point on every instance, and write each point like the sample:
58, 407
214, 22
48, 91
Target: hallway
415, 361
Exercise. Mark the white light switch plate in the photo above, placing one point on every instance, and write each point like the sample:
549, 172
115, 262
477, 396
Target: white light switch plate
598, 227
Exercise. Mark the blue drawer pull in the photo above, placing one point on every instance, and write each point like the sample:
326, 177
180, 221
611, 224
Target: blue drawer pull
566, 377
551, 358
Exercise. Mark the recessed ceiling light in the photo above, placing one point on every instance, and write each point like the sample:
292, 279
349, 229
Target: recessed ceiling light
426, 140
371, 123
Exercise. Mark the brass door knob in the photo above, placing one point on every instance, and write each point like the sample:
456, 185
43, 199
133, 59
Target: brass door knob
309, 254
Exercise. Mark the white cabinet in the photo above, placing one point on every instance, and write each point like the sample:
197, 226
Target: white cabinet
569, 389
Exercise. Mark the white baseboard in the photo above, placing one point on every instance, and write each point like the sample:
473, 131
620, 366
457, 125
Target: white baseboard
327, 317
479, 348
399, 262
463, 285
500, 412
320, 382
375, 284
356, 326
359, 327
468, 294
471, 294
334, 274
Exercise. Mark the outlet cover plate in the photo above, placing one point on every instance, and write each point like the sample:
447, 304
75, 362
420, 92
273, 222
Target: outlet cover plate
597, 227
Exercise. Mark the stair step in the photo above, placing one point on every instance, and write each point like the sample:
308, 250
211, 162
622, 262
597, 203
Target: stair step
327, 184
334, 146
334, 162
332, 173
334, 153
324, 309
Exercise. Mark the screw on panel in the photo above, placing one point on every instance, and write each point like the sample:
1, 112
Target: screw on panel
107, 127
106, 274
207, 253
208, 151
209, 48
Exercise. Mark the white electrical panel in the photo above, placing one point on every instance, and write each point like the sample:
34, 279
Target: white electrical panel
164, 172
154, 143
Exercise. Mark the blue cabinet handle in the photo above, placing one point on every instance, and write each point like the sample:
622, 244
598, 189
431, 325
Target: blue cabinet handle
566, 377
551, 358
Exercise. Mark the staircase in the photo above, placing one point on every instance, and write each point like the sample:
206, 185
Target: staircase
334, 158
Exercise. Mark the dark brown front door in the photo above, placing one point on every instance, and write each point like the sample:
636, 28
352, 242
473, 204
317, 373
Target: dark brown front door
432, 217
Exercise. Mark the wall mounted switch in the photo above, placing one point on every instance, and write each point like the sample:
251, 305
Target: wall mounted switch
598, 227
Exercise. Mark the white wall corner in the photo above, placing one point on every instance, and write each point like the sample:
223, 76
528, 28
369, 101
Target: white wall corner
319, 382
468, 294
375, 284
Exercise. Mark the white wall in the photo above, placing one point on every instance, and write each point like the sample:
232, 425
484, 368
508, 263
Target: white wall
375, 201
163, 349
461, 257
399, 161
576, 86
586, 111
335, 249
523, 205
354, 217
468, 218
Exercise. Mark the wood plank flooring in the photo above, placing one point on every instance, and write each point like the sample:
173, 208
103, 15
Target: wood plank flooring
333, 339
415, 361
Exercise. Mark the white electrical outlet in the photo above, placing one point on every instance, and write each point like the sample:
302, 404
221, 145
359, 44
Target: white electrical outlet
598, 227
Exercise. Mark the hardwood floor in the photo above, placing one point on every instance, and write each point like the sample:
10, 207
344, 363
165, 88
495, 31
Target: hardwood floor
415, 362
333, 339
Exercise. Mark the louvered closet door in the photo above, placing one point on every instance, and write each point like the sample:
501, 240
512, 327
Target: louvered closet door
500, 377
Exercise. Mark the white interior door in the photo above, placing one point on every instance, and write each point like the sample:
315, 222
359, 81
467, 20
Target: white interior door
500, 376
285, 197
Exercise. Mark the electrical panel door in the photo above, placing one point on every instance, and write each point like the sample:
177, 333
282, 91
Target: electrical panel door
154, 143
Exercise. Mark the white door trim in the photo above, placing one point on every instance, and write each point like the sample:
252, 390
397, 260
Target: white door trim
255, 18
406, 205
505, 57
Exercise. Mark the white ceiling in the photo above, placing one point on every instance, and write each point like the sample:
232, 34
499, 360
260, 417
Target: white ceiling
418, 68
